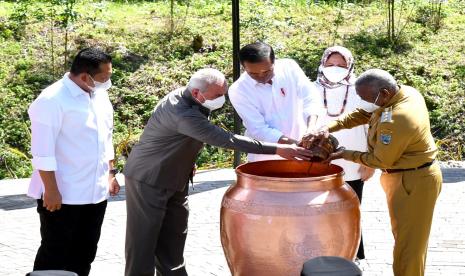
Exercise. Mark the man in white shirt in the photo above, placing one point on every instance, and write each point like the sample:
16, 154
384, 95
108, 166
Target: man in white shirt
72, 123
276, 101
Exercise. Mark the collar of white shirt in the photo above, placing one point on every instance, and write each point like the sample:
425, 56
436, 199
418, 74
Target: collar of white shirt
73, 88
256, 83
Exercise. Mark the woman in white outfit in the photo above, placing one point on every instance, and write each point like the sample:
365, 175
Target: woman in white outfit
335, 82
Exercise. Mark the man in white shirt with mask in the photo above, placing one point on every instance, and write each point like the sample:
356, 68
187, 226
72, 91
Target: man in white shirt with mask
335, 83
275, 100
72, 149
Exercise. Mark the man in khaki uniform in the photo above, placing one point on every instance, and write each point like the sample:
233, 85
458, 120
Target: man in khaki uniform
401, 144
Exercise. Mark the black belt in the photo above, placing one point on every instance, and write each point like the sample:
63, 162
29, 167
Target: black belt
411, 169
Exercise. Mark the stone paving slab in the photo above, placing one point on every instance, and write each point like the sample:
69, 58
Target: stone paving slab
20, 238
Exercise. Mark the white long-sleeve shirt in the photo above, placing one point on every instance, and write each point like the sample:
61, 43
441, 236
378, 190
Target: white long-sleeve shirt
72, 136
352, 139
269, 111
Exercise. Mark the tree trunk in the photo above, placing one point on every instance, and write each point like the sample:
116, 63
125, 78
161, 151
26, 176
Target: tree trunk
172, 16
66, 51
52, 46
392, 20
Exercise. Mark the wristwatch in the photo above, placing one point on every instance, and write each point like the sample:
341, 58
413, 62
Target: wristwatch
113, 171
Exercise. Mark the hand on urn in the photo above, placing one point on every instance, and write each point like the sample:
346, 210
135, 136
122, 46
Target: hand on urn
321, 143
314, 135
337, 154
293, 152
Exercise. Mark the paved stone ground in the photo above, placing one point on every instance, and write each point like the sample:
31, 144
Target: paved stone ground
19, 229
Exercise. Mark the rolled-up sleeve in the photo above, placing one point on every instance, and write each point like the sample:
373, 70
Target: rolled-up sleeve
109, 147
110, 151
46, 120
253, 120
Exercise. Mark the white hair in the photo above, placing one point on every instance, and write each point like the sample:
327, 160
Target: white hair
377, 79
203, 78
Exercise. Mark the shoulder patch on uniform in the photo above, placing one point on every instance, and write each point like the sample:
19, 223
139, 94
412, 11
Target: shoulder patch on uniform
385, 136
386, 116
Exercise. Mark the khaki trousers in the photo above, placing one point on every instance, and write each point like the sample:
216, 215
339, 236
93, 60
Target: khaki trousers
411, 196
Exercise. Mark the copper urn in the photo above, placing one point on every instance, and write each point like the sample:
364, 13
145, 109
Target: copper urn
281, 213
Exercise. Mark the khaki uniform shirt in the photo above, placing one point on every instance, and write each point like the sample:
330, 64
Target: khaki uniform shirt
399, 134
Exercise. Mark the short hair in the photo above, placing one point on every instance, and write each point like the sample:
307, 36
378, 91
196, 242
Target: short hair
256, 52
203, 78
88, 60
377, 79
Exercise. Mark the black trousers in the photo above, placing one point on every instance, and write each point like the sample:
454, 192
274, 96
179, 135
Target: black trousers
357, 186
69, 237
156, 230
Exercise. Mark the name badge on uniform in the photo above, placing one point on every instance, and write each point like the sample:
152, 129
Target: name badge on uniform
386, 136
386, 116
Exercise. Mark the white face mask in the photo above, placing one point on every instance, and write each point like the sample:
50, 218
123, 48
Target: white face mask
100, 85
213, 104
370, 107
335, 74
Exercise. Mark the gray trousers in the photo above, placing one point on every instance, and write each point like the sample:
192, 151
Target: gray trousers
156, 230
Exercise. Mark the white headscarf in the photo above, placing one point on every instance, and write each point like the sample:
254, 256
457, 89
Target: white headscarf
349, 80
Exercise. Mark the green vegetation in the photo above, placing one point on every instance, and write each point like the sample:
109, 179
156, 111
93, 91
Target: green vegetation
157, 45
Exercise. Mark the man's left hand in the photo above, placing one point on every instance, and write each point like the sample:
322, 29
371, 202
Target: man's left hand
194, 170
335, 155
113, 184
366, 172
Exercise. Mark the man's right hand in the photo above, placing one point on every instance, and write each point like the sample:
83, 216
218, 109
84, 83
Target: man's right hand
293, 152
52, 200
286, 140
52, 196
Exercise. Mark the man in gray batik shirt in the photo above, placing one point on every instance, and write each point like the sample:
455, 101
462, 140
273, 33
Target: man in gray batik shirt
158, 168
